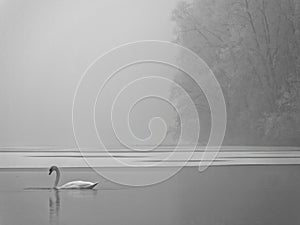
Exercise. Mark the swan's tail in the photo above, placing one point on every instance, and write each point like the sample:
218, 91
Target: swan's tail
94, 185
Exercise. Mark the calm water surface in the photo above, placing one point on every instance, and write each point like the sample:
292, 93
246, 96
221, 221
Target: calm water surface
222, 195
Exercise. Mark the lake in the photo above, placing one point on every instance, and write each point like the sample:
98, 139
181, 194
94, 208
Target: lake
233, 194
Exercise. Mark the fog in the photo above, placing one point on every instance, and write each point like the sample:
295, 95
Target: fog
45, 48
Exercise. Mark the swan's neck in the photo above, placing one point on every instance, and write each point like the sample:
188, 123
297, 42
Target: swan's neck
57, 177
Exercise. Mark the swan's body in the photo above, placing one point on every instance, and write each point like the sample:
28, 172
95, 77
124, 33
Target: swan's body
71, 185
78, 185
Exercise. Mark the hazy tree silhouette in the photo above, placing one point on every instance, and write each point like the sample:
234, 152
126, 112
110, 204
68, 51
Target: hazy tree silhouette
253, 48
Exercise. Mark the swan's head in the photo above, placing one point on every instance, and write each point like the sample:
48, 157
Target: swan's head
52, 168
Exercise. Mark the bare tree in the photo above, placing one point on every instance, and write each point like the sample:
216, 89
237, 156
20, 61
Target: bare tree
253, 48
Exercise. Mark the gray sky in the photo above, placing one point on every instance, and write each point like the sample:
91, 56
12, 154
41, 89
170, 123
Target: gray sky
44, 48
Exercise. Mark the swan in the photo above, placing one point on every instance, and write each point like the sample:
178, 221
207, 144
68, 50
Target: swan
70, 185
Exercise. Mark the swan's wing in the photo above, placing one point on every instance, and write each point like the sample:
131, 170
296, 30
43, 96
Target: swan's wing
78, 185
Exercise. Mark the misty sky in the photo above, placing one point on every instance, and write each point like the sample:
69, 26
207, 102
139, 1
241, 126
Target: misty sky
46, 46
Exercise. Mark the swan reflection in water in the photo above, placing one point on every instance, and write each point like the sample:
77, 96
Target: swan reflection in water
54, 207
55, 201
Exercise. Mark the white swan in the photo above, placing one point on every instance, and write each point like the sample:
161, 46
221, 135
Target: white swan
71, 185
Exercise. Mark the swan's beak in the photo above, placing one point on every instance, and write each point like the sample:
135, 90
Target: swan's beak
50, 171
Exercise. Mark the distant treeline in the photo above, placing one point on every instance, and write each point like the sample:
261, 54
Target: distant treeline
253, 49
